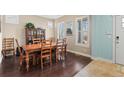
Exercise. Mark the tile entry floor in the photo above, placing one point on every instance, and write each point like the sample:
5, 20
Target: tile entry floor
99, 68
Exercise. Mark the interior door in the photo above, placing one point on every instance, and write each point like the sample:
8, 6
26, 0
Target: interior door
119, 40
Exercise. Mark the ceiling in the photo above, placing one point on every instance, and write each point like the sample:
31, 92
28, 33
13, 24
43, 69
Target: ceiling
52, 16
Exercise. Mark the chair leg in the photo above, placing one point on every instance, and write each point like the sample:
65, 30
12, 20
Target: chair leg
65, 54
62, 55
13, 53
33, 59
5, 54
20, 64
20, 61
65, 50
37, 60
56, 56
50, 61
41, 63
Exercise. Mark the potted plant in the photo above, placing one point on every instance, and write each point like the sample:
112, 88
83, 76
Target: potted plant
30, 26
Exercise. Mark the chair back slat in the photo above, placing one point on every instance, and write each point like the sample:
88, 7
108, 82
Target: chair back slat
8, 43
46, 47
59, 44
60, 49
36, 40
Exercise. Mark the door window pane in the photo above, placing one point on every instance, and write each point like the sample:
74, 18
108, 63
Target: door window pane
85, 38
79, 31
85, 24
79, 37
122, 22
79, 25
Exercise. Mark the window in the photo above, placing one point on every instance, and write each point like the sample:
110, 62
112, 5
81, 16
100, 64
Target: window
12, 19
122, 22
79, 31
82, 32
61, 32
50, 25
69, 28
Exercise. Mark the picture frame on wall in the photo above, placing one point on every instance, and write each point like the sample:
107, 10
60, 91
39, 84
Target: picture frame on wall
69, 28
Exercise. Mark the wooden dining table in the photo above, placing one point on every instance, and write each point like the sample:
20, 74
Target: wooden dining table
32, 48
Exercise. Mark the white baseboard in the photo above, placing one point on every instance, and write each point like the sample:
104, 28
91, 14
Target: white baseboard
75, 52
93, 58
102, 59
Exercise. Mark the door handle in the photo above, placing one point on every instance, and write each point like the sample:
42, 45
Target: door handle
117, 39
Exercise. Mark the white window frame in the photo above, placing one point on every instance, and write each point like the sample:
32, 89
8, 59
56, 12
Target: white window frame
76, 27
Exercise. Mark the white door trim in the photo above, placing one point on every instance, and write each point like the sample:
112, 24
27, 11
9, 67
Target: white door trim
116, 30
113, 40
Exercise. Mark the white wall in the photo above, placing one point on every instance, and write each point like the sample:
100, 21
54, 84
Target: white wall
18, 31
0, 39
0, 47
71, 40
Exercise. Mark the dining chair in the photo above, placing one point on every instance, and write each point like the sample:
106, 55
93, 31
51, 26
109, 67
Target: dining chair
59, 49
22, 56
36, 40
8, 46
51, 38
37, 53
65, 46
46, 52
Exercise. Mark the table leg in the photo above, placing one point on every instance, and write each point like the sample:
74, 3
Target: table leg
27, 61
20, 60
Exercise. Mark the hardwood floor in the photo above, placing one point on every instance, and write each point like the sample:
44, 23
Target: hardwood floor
73, 64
